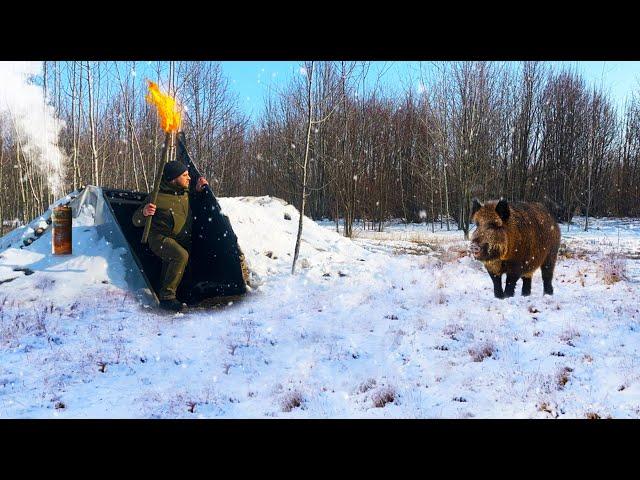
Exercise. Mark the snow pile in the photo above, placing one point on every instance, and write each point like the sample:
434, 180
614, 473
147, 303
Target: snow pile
16, 237
93, 267
266, 228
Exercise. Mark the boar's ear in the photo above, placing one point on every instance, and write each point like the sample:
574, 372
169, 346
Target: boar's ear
502, 209
476, 206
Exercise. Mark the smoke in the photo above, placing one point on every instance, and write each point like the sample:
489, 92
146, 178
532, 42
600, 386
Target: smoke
32, 122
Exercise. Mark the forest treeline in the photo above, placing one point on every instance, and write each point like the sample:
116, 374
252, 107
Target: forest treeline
518, 130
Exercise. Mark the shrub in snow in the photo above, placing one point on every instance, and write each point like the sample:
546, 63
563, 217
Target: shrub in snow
382, 396
562, 377
249, 331
367, 385
613, 268
481, 351
291, 400
568, 335
450, 329
14, 325
548, 407
44, 283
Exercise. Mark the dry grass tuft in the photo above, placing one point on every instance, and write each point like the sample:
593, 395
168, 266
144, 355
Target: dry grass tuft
569, 335
613, 269
367, 385
482, 351
547, 407
562, 378
383, 396
452, 328
291, 400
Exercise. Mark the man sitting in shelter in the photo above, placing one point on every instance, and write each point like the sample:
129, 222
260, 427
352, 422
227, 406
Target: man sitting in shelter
170, 234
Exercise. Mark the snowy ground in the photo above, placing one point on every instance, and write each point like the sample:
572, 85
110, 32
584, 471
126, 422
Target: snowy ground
398, 324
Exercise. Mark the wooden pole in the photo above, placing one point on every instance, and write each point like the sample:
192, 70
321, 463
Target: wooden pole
156, 188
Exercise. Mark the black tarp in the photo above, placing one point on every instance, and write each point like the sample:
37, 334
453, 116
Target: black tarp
215, 264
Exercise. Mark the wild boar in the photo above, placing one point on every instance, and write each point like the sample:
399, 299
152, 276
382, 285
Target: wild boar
515, 238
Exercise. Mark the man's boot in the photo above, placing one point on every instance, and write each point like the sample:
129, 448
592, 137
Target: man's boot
173, 305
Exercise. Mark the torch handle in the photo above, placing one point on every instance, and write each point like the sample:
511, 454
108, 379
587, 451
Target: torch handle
156, 187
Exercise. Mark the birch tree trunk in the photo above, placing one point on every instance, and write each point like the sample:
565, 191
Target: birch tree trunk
92, 128
74, 128
304, 166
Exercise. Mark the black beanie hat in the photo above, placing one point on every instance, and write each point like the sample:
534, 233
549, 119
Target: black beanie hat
173, 170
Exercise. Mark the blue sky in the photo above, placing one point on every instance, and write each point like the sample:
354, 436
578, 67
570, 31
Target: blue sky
251, 79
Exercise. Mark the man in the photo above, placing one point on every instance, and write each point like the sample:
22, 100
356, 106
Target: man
170, 234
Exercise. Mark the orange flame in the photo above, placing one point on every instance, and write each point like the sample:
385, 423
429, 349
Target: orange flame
167, 108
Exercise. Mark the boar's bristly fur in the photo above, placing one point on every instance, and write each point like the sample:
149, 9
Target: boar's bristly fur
515, 239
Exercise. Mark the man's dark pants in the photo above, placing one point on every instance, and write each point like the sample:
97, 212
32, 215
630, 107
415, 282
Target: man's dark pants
175, 257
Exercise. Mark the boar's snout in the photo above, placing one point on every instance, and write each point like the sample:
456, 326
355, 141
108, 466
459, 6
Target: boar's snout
475, 249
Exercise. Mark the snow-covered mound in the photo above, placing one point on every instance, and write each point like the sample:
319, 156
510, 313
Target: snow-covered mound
267, 227
93, 267
15, 237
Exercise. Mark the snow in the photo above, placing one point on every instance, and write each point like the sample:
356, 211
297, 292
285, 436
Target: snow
396, 324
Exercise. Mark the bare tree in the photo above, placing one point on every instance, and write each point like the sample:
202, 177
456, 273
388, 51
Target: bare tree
303, 194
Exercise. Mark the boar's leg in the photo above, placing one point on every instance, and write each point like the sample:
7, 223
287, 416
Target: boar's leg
510, 287
514, 272
497, 285
526, 286
547, 272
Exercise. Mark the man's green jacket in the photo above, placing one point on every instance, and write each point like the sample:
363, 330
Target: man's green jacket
173, 215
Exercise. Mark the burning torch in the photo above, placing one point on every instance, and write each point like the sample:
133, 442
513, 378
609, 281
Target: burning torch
170, 119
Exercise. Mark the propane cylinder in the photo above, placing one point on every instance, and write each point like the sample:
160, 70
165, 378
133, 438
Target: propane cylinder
61, 241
